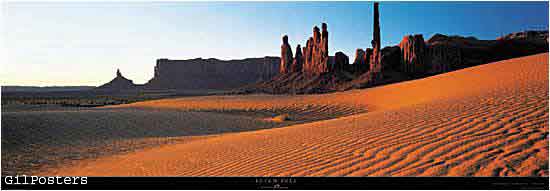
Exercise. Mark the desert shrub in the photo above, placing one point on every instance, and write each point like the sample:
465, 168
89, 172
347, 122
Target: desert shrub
281, 118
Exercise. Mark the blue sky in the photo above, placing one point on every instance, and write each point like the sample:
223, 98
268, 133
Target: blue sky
84, 43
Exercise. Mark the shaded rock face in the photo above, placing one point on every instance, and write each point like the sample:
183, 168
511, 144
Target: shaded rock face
443, 58
206, 74
368, 55
286, 57
413, 54
118, 83
298, 61
341, 61
453, 39
391, 58
359, 57
361, 62
447, 53
316, 52
526, 35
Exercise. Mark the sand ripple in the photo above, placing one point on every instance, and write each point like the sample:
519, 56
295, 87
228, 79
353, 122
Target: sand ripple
490, 120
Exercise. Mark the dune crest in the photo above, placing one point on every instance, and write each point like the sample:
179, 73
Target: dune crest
488, 120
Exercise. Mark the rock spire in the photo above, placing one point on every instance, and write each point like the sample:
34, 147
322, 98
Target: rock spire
286, 56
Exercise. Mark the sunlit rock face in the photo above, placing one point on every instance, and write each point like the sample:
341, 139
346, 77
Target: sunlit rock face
316, 52
286, 56
413, 54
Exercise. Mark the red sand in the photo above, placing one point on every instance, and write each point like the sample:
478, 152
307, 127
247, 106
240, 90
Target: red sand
489, 120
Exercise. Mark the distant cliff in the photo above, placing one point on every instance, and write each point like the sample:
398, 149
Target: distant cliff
212, 73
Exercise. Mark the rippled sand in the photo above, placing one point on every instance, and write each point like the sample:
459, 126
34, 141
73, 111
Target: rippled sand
489, 120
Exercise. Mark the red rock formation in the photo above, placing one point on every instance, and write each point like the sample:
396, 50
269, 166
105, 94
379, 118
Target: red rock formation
316, 52
439, 54
286, 56
298, 62
308, 54
316, 67
413, 55
375, 59
341, 61
324, 45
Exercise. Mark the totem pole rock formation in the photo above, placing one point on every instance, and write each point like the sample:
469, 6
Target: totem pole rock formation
412, 58
413, 54
298, 62
324, 45
316, 52
286, 56
375, 59
308, 54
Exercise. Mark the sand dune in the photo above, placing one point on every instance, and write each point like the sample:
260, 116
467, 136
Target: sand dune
39, 138
489, 120
34, 140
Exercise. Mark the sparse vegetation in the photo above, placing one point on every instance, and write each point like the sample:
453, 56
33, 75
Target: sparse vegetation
83, 98
74, 101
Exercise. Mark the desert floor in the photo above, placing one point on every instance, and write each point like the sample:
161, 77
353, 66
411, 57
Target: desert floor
489, 120
36, 138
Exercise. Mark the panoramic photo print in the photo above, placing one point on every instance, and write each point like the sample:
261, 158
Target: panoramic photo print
275, 89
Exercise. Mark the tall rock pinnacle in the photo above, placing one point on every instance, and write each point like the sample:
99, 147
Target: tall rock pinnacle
298, 60
375, 60
316, 52
286, 56
324, 48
